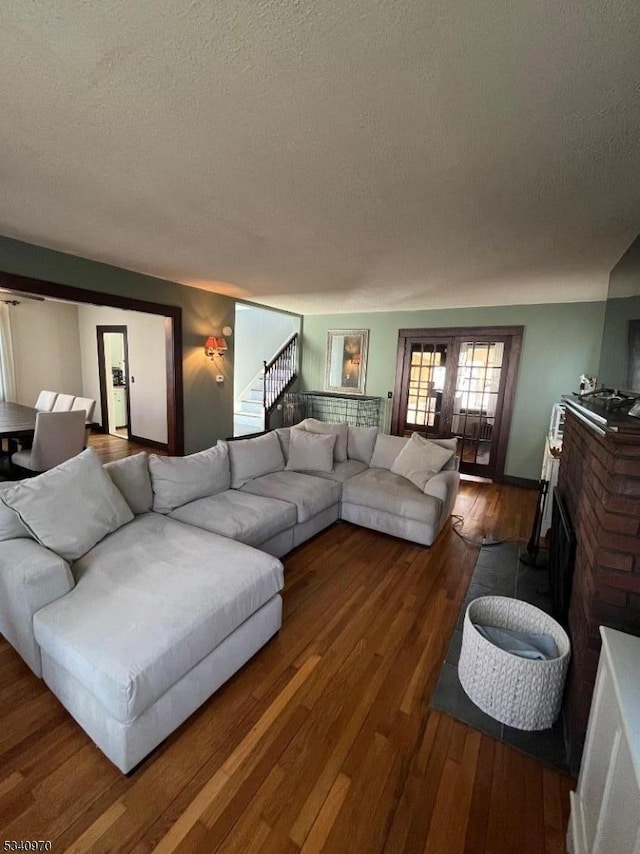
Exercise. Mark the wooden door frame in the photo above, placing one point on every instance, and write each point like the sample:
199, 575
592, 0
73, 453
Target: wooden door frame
515, 333
117, 329
172, 335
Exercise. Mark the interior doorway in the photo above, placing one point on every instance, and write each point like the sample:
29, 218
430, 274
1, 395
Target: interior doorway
113, 369
172, 318
459, 382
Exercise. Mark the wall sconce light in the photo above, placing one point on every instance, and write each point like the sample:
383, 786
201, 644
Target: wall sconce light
215, 347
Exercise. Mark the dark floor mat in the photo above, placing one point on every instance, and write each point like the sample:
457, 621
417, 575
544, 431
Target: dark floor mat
499, 572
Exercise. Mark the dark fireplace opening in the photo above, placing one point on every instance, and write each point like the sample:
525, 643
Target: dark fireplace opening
562, 552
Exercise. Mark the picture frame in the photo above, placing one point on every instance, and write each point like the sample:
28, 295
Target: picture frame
346, 361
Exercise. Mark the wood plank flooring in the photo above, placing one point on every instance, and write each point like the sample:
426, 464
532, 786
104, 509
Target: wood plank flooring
111, 448
323, 742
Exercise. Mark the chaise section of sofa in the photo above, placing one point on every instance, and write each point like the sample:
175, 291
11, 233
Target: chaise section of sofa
152, 602
139, 618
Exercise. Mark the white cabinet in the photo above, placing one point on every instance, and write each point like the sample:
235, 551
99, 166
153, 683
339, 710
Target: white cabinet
120, 406
605, 809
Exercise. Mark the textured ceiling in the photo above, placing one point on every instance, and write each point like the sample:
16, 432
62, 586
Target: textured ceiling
328, 155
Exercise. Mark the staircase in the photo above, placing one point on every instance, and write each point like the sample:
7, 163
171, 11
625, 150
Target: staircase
248, 416
266, 390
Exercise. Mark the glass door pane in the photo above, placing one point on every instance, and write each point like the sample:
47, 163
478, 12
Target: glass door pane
476, 399
427, 375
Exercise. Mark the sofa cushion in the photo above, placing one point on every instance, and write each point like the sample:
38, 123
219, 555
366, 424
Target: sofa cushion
386, 450
312, 425
178, 480
131, 476
247, 518
341, 471
11, 526
311, 451
150, 602
361, 442
310, 495
252, 458
382, 490
71, 507
420, 460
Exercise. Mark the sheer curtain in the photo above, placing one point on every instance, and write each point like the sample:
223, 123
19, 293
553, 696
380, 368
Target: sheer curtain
7, 366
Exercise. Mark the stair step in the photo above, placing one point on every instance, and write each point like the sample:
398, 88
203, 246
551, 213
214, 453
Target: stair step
247, 413
248, 404
253, 420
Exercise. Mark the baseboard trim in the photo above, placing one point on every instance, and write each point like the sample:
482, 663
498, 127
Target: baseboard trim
162, 446
524, 482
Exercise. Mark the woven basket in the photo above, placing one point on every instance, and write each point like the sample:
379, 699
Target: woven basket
516, 691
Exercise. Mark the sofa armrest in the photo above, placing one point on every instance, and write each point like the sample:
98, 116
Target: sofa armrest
444, 486
30, 578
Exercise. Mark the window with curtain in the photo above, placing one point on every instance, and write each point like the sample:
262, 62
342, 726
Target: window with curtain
7, 367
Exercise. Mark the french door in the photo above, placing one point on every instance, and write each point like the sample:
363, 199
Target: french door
459, 382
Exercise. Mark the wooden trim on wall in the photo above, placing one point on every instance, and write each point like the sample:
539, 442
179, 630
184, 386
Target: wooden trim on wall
118, 329
457, 331
151, 443
102, 385
173, 337
516, 334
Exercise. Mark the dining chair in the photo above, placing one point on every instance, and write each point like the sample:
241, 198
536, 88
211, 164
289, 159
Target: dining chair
58, 437
64, 402
46, 400
88, 405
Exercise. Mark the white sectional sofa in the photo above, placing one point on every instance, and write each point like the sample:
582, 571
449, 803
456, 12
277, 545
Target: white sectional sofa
138, 588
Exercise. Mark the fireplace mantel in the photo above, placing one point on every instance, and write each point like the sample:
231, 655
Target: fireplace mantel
599, 480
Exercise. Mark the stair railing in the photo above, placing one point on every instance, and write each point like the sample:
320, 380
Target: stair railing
279, 374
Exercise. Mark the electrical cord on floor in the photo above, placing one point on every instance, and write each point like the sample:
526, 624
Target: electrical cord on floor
484, 543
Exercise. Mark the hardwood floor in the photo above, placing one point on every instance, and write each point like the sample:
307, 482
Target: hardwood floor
111, 448
323, 742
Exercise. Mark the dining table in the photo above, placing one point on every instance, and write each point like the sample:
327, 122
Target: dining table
16, 420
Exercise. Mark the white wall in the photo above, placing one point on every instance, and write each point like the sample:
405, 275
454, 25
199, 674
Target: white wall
258, 336
46, 349
147, 366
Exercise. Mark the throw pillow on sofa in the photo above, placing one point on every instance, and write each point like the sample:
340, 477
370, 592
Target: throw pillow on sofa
71, 507
386, 450
251, 458
131, 476
420, 460
311, 451
388, 447
340, 431
284, 437
11, 528
179, 480
360, 443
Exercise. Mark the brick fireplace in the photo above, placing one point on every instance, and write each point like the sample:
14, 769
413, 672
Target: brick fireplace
599, 481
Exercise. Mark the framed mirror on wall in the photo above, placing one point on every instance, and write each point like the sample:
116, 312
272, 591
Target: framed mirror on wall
620, 350
346, 361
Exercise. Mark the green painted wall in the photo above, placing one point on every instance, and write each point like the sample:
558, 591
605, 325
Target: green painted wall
560, 343
208, 407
